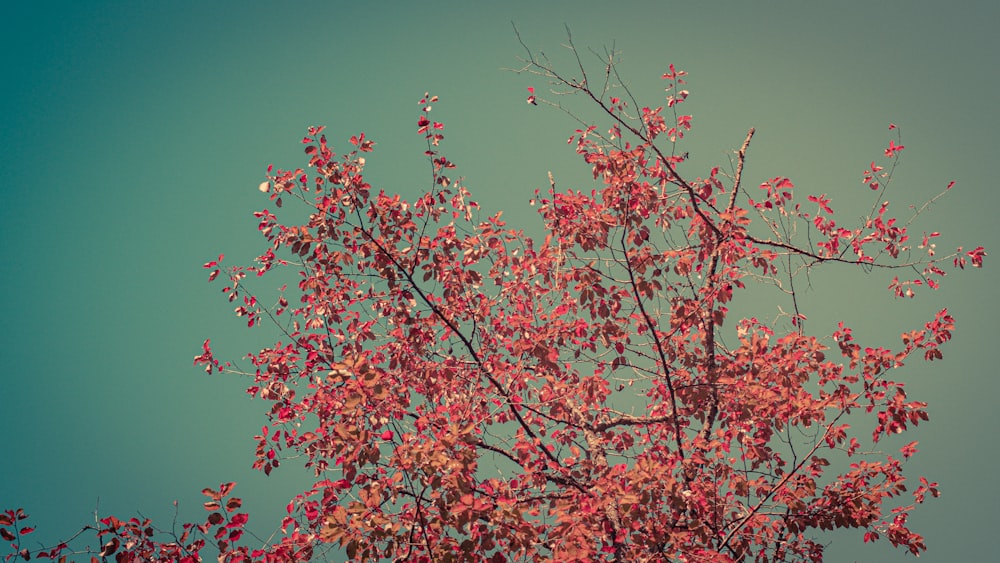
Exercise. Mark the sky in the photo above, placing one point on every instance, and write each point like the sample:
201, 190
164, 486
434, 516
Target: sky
134, 134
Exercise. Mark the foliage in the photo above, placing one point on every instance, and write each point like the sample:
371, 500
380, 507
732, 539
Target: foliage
466, 392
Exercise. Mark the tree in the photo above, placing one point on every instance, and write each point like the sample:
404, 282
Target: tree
466, 392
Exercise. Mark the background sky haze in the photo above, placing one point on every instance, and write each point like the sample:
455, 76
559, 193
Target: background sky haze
134, 134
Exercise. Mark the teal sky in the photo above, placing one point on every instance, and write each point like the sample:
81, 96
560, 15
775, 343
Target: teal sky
133, 136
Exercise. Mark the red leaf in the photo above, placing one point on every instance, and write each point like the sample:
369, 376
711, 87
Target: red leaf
238, 520
110, 547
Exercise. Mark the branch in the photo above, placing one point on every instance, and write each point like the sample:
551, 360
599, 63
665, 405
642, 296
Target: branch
710, 363
630, 420
455, 329
661, 353
739, 524
741, 155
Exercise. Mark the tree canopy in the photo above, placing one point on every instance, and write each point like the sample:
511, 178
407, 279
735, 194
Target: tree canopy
465, 390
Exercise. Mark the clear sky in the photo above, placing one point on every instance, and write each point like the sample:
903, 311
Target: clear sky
133, 136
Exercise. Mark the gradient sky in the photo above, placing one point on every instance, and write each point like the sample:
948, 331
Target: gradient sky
133, 136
